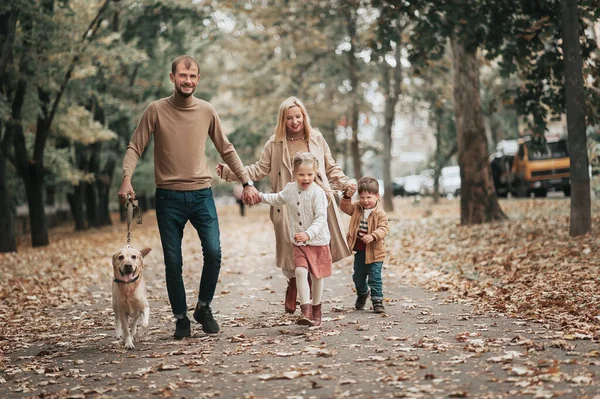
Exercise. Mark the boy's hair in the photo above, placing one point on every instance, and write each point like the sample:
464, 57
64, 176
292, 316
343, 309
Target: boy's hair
368, 185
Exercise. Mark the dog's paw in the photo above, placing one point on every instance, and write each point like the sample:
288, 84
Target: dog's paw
129, 344
119, 334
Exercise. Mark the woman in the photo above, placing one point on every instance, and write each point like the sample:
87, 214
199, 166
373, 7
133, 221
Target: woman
294, 134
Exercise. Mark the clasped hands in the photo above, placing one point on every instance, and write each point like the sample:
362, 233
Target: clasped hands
349, 190
250, 195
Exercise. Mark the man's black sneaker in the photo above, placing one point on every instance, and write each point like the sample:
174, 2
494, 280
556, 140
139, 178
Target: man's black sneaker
203, 315
182, 328
361, 300
378, 306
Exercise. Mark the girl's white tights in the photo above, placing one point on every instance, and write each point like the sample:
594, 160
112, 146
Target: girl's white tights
304, 290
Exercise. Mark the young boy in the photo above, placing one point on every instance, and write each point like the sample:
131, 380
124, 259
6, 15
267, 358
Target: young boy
368, 228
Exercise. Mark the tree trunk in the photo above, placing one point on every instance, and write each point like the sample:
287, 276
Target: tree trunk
350, 9
478, 202
76, 204
438, 164
102, 178
347, 145
34, 186
8, 23
103, 184
91, 195
581, 216
14, 132
8, 242
389, 115
76, 198
392, 77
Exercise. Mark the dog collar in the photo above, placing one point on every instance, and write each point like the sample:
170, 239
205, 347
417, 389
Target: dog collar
116, 280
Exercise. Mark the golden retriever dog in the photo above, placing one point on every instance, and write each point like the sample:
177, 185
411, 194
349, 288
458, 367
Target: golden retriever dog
129, 294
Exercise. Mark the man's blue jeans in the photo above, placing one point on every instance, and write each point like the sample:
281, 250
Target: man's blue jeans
173, 210
367, 274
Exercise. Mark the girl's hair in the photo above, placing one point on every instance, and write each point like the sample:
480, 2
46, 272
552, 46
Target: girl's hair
291, 102
306, 158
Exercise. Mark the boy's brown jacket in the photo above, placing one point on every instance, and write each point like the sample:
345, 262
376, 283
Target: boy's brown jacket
377, 226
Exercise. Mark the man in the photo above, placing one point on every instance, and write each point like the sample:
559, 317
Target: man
180, 125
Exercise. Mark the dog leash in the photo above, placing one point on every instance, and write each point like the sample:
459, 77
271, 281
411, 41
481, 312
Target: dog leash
132, 209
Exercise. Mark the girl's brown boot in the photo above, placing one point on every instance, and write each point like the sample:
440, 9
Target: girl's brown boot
305, 318
290, 296
316, 313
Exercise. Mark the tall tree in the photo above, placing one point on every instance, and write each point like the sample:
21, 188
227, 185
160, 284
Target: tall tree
80, 133
8, 23
478, 203
388, 48
32, 169
464, 26
431, 89
549, 51
527, 48
349, 12
581, 220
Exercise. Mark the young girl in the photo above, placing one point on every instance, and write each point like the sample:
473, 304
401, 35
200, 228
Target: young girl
306, 203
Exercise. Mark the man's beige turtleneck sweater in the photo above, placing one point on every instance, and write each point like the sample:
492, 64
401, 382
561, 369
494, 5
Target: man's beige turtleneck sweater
180, 127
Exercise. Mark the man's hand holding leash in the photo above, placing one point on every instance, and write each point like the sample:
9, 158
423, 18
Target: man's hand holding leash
126, 189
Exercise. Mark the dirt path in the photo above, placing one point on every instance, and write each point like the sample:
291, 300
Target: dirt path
422, 347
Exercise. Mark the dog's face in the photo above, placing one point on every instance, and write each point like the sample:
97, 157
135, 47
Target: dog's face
128, 263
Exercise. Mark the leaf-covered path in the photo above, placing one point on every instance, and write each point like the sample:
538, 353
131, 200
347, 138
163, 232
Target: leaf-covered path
57, 329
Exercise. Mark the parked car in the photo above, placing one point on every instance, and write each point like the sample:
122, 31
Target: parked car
450, 180
398, 187
412, 184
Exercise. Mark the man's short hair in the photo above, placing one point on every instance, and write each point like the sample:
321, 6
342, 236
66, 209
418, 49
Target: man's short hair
368, 185
187, 60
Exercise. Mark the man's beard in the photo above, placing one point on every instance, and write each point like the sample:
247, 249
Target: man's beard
182, 94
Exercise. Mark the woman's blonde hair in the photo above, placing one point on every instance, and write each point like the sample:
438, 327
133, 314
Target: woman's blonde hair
307, 158
288, 103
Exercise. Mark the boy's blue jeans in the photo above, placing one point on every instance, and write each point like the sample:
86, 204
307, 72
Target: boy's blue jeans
367, 275
173, 210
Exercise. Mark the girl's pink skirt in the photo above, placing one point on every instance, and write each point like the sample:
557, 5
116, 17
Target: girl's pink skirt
317, 259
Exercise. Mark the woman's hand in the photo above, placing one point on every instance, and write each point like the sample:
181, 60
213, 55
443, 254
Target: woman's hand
219, 169
349, 190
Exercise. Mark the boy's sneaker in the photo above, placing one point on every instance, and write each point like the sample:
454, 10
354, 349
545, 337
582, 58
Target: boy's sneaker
182, 328
378, 306
204, 316
361, 300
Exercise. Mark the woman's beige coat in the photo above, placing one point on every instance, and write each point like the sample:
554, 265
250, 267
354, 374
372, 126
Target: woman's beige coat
275, 162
